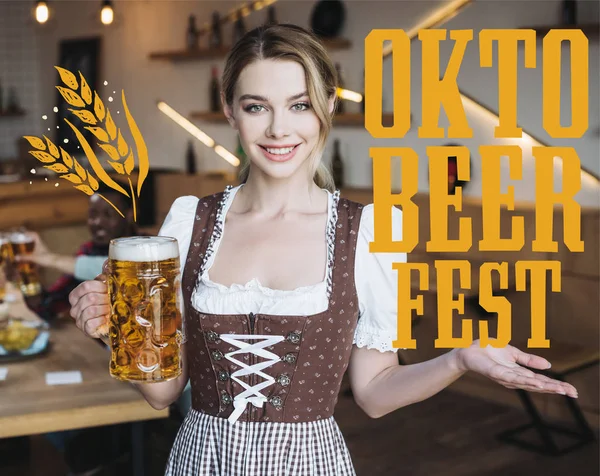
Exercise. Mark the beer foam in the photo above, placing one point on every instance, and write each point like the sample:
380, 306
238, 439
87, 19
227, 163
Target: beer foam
143, 248
19, 238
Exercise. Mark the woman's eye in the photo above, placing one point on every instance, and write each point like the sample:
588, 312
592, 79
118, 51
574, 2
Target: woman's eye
301, 106
253, 108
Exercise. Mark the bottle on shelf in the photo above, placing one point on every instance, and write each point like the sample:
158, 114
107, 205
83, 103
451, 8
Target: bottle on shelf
12, 105
337, 165
569, 12
271, 16
239, 28
215, 91
341, 107
190, 159
362, 104
192, 34
215, 39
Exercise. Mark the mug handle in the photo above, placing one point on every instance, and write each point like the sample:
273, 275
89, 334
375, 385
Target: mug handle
103, 330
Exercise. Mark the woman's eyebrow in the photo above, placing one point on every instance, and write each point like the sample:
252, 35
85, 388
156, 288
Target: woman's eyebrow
262, 98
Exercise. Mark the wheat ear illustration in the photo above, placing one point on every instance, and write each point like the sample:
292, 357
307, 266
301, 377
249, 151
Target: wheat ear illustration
89, 108
58, 160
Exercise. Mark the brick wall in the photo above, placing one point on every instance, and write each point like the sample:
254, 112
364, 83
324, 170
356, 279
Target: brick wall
19, 69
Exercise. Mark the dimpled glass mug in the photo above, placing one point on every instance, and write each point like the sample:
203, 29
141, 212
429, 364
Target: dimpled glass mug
145, 327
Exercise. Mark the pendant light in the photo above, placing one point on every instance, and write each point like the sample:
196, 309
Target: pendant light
42, 12
107, 14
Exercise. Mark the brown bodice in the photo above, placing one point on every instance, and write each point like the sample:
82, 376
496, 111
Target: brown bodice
296, 367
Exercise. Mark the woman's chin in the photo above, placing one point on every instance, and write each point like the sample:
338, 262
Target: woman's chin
280, 170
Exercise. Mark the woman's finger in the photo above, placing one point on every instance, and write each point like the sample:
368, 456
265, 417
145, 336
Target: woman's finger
539, 383
91, 326
87, 287
91, 299
531, 360
91, 313
521, 380
557, 386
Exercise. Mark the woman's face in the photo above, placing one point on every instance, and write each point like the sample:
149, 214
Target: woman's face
274, 117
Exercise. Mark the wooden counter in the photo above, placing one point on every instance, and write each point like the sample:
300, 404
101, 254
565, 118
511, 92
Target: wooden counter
41, 204
28, 406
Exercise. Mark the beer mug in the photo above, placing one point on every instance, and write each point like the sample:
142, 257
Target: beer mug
5, 255
22, 244
145, 326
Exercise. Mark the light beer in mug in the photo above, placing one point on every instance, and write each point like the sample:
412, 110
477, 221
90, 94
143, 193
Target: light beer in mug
5, 263
23, 244
145, 326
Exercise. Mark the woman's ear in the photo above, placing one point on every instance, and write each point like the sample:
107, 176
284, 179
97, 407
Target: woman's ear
228, 112
332, 103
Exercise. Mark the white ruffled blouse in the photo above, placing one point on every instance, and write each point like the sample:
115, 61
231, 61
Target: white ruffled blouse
374, 277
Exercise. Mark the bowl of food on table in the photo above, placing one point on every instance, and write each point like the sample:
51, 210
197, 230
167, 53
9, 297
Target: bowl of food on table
21, 338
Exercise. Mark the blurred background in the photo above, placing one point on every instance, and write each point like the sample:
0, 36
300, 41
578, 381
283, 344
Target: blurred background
168, 57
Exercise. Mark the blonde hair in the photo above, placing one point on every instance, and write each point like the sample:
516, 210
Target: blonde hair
294, 43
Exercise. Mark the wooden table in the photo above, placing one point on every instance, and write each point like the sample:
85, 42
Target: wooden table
28, 406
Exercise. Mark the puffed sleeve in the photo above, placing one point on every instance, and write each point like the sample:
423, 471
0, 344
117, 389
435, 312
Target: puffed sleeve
179, 224
376, 286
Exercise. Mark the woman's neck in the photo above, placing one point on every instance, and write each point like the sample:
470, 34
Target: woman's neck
276, 197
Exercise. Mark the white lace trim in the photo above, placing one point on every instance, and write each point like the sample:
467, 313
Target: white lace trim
216, 234
373, 338
255, 285
331, 227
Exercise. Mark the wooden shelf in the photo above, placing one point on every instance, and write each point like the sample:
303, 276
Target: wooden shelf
218, 53
590, 30
208, 116
333, 44
191, 55
18, 113
357, 120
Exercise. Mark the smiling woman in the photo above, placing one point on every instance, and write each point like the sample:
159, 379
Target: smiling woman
281, 293
280, 97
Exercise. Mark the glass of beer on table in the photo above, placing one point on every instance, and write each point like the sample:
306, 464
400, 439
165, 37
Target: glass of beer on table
5, 263
22, 243
145, 327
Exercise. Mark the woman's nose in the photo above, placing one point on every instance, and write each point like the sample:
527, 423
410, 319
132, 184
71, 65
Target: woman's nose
279, 126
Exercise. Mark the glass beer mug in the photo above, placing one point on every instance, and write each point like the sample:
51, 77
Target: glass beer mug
22, 244
145, 327
5, 263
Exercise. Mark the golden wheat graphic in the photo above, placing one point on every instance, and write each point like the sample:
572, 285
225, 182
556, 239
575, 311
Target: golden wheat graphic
65, 166
90, 109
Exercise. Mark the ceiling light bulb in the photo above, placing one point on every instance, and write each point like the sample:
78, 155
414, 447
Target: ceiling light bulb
41, 12
107, 14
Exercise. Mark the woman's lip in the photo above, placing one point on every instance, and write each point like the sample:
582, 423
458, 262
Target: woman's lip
278, 146
279, 157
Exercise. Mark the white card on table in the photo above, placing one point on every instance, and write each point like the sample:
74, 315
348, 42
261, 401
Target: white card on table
3, 372
63, 378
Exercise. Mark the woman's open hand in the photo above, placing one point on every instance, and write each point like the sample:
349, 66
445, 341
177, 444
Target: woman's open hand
508, 366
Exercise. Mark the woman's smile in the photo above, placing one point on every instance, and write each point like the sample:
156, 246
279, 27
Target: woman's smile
279, 153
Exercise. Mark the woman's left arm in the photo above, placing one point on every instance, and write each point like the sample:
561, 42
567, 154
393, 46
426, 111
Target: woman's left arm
380, 385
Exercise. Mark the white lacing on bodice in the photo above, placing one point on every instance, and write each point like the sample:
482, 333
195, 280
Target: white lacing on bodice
251, 394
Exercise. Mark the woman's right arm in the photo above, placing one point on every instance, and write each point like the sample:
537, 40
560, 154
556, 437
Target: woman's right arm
90, 308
